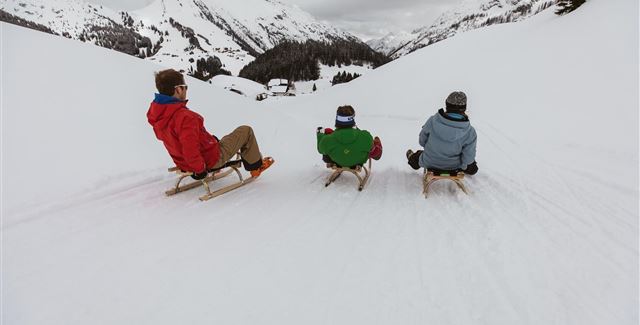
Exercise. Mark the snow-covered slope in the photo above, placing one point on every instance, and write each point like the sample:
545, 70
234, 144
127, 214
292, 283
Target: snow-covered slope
264, 23
69, 17
468, 15
326, 76
251, 89
182, 31
549, 234
241, 86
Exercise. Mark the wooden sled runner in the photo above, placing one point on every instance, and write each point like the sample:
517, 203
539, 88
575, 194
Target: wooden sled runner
432, 176
224, 171
357, 171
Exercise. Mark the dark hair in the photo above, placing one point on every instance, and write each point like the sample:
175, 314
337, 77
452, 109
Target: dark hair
346, 110
167, 80
452, 108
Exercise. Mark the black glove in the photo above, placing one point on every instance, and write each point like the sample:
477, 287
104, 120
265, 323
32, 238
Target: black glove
319, 129
472, 168
199, 176
414, 160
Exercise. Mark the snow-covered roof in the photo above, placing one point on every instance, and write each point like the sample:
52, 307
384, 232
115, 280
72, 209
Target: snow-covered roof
279, 89
248, 87
278, 82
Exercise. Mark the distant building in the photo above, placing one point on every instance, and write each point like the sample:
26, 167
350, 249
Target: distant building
281, 87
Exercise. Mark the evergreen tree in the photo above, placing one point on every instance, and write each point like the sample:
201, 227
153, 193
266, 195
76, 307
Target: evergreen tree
300, 61
314, 87
342, 77
208, 68
567, 6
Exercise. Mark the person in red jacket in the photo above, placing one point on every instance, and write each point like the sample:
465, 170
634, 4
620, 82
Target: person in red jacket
182, 131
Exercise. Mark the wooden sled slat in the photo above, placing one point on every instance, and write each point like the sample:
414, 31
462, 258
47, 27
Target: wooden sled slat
227, 169
226, 189
337, 171
430, 178
195, 184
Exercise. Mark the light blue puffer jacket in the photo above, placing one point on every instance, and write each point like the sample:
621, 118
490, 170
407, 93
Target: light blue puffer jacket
449, 143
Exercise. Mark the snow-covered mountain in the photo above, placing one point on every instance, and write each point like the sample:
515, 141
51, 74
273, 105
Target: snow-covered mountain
390, 42
468, 15
177, 33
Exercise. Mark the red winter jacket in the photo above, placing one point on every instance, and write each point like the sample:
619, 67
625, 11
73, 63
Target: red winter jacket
182, 131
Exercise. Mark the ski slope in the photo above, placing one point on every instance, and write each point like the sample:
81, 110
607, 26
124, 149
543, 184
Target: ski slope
549, 234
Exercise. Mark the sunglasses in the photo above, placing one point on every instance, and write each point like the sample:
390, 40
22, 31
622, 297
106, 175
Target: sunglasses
185, 87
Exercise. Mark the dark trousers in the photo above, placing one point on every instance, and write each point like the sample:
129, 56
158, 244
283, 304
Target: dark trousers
414, 162
327, 159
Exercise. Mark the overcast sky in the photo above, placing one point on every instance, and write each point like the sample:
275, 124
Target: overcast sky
375, 18
364, 18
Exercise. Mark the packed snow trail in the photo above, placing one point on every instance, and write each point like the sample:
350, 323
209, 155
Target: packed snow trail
549, 234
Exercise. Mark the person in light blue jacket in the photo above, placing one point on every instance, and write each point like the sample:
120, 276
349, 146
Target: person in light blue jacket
448, 139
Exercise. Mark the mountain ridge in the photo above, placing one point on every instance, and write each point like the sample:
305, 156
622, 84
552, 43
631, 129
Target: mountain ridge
177, 33
468, 15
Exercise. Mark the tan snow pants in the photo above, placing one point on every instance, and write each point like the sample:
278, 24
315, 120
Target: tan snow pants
242, 139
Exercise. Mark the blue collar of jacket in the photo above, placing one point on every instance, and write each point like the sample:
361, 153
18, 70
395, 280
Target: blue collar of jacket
453, 116
164, 99
456, 116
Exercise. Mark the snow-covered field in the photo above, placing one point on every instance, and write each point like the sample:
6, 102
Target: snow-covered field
326, 75
251, 89
549, 234
248, 88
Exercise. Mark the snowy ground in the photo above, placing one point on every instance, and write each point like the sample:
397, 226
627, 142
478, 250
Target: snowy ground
247, 88
326, 75
549, 234
251, 89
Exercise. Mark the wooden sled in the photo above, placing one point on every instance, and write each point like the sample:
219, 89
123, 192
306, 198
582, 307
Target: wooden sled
226, 170
432, 176
357, 171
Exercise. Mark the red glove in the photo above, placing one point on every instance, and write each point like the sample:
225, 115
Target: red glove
376, 151
328, 131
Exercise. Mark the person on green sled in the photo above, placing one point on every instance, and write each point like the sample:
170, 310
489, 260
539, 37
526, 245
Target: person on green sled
347, 146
